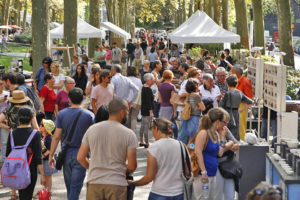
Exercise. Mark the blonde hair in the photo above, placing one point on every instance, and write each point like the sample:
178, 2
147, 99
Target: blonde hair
56, 65
96, 65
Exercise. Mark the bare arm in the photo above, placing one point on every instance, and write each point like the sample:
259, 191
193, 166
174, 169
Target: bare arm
82, 155
2, 118
42, 99
59, 85
132, 163
94, 106
150, 172
55, 140
201, 106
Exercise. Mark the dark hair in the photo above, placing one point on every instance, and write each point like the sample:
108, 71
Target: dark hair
152, 50
48, 77
20, 79
222, 55
116, 105
94, 72
102, 114
25, 114
205, 53
11, 76
227, 50
85, 58
117, 67
39, 117
208, 58
103, 74
185, 66
193, 72
213, 115
131, 71
232, 81
82, 74
164, 125
200, 64
76, 95
48, 61
191, 85
156, 63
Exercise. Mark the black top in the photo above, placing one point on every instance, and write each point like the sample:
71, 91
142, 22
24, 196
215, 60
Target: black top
20, 136
273, 115
229, 59
81, 82
130, 48
147, 101
142, 73
144, 46
47, 143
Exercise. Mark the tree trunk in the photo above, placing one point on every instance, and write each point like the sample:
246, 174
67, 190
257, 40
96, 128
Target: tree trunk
183, 17
216, 11
40, 32
19, 13
225, 14
24, 14
121, 13
70, 27
259, 30
191, 11
209, 8
6, 16
125, 15
284, 29
94, 21
242, 22
3, 11
53, 15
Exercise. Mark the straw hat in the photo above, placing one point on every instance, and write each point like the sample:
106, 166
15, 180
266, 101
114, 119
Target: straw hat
49, 126
18, 96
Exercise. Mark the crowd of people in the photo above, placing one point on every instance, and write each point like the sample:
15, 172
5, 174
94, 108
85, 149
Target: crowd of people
94, 111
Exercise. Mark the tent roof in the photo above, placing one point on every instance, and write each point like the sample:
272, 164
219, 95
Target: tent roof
200, 28
84, 30
117, 30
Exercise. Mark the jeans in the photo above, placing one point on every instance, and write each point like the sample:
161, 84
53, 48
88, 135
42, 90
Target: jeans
175, 128
4, 137
153, 196
74, 174
264, 129
156, 109
224, 188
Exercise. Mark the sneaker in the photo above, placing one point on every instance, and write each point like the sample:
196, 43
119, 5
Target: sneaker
146, 145
142, 144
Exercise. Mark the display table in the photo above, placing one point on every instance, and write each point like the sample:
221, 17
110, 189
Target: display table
275, 175
253, 161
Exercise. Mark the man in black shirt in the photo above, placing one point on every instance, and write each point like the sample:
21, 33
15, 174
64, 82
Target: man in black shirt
144, 44
130, 52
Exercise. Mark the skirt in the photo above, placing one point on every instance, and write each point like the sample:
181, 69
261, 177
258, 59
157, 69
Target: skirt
47, 169
166, 112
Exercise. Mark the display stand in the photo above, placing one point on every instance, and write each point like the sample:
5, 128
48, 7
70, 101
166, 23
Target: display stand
67, 48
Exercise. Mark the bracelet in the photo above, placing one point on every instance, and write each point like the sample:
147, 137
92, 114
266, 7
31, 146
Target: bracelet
203, 172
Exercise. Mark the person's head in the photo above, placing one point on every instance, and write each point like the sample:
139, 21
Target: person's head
227, 52
137, 45
114, 45
115, 69
168, 75
146, 63
175, 46
80, 70
238, 71
39, 117
199, 64
9, 79
265, 191
157, 65
208, 81
25, 115
1, 85
130, 40
175, 64
101, 48
18, 98
47, 126
222, 56
47, 61
192, 85
118, 110
161, 127
102, 114
194, 72
124, 51
182, 59
208, 59
75, 59
55, 68
221, 74
20, 79
49, 79
215, 119
205, 53
166, 50
232, 81
85, 58
76, 96
164, 62
96, 66
149, 79
69, 83
97, 48
152, 50
107, 48
183, 68
105, 76
131, 71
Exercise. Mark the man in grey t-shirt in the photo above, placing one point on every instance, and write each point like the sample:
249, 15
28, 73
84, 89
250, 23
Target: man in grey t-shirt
110, 144
116, 54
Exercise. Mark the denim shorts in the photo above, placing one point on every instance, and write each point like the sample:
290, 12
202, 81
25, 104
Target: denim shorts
47, 169
154, 196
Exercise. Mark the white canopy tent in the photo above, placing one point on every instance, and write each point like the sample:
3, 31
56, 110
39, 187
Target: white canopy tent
84, 30
117, 30
200, 28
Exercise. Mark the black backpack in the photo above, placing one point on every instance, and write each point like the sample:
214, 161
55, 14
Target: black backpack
31, 93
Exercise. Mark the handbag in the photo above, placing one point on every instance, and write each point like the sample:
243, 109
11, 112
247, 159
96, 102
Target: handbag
188, 179
138, 101
232, 120
230, 168
187, 110
62, 154
44, 194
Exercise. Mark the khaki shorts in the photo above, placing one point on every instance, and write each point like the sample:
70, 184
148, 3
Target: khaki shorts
106, 192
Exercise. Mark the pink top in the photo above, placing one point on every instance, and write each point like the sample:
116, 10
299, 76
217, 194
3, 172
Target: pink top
108, 55
102, 95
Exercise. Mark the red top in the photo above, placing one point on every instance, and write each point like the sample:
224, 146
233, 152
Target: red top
244, 85
50, 98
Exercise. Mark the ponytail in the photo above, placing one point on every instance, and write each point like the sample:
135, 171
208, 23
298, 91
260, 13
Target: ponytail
205, 122
164, 125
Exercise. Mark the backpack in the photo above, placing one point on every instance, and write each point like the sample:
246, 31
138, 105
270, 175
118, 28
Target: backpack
187, 110
15, 172
31, 93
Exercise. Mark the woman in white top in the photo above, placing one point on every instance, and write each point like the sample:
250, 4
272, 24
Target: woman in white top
59, 78
164, 166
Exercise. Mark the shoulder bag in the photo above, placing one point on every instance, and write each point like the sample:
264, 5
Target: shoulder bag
187, 110
230, 167
187, 178
62, 154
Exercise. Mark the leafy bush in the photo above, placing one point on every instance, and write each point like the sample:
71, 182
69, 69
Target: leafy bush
293, 83
196, 52
25, 37
213, 48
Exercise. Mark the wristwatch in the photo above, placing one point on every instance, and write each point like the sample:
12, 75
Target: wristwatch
203, 172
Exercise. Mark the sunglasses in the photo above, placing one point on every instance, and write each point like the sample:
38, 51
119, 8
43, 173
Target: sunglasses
225, 122
269, 191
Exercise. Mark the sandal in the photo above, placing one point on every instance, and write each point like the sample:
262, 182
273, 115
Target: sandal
14, 197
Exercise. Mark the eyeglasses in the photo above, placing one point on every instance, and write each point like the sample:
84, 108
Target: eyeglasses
225, 122
269, 191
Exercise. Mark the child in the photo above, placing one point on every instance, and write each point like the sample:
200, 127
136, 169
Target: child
46, 128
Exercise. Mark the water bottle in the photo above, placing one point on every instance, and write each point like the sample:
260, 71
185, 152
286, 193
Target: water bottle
205, 191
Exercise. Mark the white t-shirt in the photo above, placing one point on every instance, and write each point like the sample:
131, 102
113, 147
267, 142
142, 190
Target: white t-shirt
167, 181
213, 94
58, 78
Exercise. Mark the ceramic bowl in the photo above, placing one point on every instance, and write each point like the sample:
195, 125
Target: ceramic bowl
293, 144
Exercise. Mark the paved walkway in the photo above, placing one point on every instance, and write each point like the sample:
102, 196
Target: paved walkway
13, 54
60, 192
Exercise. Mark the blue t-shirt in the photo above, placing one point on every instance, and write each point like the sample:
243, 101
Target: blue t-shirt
39, 76
65, 120
210, 157
152, 56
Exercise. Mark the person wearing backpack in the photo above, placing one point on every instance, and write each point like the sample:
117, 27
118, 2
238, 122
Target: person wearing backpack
24, 134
